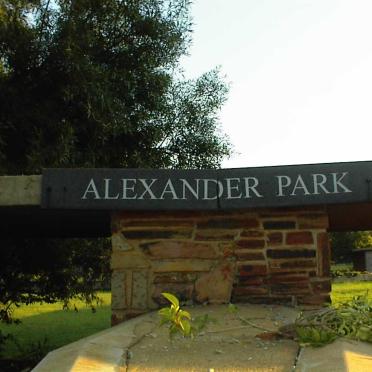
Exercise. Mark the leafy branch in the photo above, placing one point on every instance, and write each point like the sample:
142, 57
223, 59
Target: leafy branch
180, 321
352, 320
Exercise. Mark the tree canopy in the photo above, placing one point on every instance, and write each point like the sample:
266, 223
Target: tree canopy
343, 244
96, 83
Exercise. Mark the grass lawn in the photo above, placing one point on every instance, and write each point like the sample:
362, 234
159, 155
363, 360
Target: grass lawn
60, 327
57, 326
345, 291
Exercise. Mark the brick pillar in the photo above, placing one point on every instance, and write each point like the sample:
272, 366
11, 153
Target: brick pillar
262, 256
294, 261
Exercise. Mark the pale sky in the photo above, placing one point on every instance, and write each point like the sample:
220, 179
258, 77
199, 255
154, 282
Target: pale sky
300, 74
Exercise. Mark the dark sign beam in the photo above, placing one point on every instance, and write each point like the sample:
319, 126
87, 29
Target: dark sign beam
344, 189
223, 189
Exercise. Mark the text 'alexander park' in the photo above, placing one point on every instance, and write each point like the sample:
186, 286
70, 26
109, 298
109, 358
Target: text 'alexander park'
188, 188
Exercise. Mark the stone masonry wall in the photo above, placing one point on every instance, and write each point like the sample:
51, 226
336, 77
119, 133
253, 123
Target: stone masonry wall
260, 256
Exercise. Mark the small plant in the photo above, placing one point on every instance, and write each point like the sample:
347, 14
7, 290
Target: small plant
232, 309
178, 320
352, 320
315, 336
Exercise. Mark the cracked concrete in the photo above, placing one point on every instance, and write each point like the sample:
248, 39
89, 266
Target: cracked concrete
140, 345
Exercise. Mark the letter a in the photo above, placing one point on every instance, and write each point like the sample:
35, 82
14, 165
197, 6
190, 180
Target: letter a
91, 188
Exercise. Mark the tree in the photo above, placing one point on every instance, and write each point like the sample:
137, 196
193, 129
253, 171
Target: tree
343, 243
96, 83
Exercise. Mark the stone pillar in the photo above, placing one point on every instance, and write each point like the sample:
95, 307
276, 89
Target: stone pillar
261, 256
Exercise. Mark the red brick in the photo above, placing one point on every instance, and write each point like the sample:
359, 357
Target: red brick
324, 254
279, 225
229, 223
288, 270
210, 235
275, 238
175, 278
288, 278
252, 270
253, 299
302, 237
290, 288
174, 249
153, 215
242, 254
252, 234
115, 225
290, 253
157, 223
313, 221
298, 264
115, 320
315, 299
251, 243
252, 281
321, 286
216, 285
121, 316
238, 291
133, 314
158, 234
183, 291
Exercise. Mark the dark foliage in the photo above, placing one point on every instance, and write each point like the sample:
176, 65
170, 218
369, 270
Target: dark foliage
343, 244
92, 83
36, 270
95, 83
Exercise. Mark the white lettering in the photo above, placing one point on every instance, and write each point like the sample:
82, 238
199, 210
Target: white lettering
219, 189
185, 185
169, 188
282, 184
147, 188
337, 183
300, 184
249, 188
130, 188
107, 190
318, 181
91, 188
231, 187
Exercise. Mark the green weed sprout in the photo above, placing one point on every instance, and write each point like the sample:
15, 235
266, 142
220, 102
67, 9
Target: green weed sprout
178, 320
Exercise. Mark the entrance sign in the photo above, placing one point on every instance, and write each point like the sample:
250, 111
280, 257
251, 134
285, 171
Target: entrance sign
164, 189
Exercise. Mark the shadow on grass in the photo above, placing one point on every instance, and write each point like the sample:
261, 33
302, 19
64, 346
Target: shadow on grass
41, 333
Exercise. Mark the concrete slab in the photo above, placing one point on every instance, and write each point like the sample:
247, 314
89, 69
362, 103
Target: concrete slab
341, 356
20, 190
105, 351
235, 342
227, 345
141, 345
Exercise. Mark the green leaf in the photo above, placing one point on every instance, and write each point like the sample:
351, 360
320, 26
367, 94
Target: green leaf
186, 327
184, 314
232, 308
173, 330
300, 332
315, 335
165, 311
172, 299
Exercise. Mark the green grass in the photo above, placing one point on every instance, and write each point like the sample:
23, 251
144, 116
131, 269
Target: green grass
342, 266
60, 327
57, 326
345, 291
